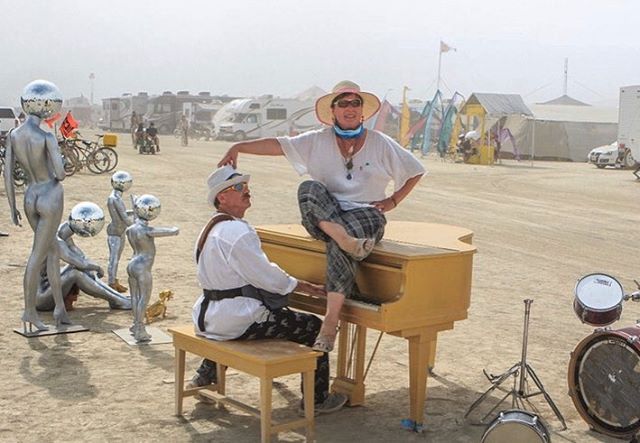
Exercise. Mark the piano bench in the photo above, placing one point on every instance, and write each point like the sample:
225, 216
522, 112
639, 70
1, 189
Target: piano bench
265, 359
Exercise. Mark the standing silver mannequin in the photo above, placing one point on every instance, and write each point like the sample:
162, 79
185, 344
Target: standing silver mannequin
120, 219
141, 236
39, 155
86, 220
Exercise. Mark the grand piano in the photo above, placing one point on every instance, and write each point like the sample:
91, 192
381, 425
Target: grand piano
415, 283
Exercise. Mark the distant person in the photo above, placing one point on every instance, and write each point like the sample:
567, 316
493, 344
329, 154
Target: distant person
152, 133
184, 130
138, 136
135, 121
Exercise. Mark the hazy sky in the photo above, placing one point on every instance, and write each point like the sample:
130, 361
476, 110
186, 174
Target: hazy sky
252, 47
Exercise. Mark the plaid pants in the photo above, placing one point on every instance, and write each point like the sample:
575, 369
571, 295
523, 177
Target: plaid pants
284, 324
316, 205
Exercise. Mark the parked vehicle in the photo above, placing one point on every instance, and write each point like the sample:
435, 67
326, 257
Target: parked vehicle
629, 126
166, 110
264, 116
117, 111
8, 119
603, 156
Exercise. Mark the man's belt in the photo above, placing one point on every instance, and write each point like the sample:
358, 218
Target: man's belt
269, 299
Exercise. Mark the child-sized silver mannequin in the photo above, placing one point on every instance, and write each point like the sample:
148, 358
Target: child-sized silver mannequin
120, 219
141, 237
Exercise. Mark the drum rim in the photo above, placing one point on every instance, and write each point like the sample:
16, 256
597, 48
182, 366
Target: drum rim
577, 297
576, 394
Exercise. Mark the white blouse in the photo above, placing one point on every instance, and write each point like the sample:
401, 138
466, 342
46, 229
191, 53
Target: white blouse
379, 161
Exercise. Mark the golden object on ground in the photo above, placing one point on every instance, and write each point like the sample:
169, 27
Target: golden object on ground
158, 308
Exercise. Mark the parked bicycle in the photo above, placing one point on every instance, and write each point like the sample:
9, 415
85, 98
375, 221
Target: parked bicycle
19, 177
97, 157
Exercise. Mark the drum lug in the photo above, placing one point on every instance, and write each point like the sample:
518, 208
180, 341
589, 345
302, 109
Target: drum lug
633, 339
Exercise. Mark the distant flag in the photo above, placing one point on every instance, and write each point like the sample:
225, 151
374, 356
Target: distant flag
445, 47
405, 118
51, 120
69, 124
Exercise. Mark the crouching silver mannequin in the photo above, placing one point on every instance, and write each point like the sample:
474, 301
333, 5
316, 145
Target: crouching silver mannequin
86, 220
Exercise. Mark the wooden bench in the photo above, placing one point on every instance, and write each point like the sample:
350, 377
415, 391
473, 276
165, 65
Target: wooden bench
266, 359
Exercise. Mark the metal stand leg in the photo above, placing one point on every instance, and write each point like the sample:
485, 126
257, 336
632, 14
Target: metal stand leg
519, 393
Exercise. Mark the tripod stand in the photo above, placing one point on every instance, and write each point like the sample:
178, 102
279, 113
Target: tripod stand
519, 393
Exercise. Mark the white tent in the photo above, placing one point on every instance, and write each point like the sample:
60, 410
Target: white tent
564, 132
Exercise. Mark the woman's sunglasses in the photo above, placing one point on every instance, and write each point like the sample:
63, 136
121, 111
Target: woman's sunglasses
240, 187
355, 103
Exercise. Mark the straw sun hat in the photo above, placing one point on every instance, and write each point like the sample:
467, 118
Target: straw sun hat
370, 106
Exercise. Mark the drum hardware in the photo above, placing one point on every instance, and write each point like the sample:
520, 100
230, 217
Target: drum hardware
519, 393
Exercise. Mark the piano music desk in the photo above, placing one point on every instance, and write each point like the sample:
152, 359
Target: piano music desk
416, 282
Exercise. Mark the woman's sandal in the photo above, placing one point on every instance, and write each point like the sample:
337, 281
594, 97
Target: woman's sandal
362, 249
324, 343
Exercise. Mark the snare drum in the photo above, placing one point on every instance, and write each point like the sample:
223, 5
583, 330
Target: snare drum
598, 299
604, 381
516, 425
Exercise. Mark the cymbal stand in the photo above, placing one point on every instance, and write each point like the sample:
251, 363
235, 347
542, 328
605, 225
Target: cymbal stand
520, 392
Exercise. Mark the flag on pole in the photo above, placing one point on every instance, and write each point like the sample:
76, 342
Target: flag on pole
445, 47
405, 118
69, 124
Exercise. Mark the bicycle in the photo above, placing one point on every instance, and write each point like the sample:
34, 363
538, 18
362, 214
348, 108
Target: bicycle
19, 176
96, 157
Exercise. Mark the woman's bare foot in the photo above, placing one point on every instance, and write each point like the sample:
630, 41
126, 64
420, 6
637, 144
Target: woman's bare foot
359, 248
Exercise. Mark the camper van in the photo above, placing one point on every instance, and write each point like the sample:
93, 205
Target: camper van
165, 110
629, 125
265, 116
117, 111
8, 119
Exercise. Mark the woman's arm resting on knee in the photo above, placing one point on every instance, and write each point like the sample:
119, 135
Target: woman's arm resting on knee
262, 146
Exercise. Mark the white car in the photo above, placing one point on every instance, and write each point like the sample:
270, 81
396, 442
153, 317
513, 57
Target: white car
604, 155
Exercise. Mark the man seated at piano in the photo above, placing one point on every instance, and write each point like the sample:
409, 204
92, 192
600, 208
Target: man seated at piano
344, 202
244, 294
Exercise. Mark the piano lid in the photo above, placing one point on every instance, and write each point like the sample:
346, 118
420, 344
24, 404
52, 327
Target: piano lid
409, 240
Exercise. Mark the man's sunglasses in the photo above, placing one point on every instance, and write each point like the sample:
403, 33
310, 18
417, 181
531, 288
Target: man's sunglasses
240, 187
355, 103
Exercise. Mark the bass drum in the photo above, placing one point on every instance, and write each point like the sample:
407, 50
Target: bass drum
516, 425
604, 381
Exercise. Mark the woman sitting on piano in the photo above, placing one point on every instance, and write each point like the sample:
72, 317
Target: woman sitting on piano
344, 202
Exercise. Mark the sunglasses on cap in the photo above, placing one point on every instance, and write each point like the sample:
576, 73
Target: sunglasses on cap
239, 187
344, 103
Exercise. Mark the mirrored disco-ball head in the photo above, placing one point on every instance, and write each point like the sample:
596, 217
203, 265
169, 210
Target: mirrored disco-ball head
41, 98
147, 207
121, 180
86, 219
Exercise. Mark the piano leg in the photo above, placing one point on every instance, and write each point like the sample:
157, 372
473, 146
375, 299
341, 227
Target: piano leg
352, 340
421, 353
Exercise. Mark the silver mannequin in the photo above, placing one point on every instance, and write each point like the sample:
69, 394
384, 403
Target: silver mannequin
120, 219
86, 220
39, 155
141, 237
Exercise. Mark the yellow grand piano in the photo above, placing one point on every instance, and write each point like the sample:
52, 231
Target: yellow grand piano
416, 283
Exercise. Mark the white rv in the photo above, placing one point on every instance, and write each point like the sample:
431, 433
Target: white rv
265, 116
629, 125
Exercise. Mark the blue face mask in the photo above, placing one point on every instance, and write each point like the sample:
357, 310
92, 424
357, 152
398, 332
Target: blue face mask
348, 133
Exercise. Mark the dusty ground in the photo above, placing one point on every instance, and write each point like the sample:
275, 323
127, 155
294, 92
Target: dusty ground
537, 229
